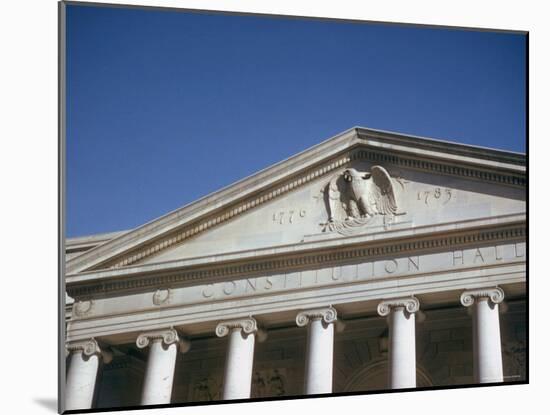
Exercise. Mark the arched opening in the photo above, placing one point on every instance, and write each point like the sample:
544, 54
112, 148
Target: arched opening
374, 376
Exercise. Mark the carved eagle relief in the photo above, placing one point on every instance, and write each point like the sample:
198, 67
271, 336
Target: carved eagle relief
353, 198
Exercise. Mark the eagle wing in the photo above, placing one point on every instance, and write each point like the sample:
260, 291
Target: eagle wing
381, 193
337, 198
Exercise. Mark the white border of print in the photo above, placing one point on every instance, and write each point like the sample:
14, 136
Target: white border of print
28, 167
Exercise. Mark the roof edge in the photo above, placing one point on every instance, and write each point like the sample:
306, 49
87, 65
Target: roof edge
446, 146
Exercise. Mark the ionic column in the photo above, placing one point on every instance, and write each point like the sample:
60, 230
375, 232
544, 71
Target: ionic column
240, 356
161, 364
402, 341
486, 332
320, 343
85, 359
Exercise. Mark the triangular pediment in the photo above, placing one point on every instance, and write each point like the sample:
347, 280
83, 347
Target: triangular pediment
434, 182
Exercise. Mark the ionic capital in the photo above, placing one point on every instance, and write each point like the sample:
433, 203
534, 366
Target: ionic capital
327, 314
89, 348
495, 294
247, 325
166, 336
411, 305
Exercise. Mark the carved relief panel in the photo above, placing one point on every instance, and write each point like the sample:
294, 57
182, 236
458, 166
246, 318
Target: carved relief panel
353, 199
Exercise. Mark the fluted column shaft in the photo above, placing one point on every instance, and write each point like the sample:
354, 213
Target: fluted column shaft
486, 333
240, 356
320, 344
161, 364
402, 341
85, 360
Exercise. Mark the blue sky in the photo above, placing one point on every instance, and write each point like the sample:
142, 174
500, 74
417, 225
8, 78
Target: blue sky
164, 107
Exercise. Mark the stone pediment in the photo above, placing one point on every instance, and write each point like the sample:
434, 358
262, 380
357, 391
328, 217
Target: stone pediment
361, 181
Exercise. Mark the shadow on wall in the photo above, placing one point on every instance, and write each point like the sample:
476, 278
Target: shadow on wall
48, 403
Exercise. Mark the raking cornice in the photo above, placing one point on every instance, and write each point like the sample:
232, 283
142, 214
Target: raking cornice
319, 161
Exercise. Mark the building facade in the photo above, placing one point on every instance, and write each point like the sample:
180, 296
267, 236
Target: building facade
371, 261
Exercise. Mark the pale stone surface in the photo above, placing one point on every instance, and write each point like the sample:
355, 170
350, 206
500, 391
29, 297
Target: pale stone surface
85, 359
159, 376
427, 199
444, 352
161, 363
486, 333
320, 345
240, 357
380, 270
81, 381
402, 340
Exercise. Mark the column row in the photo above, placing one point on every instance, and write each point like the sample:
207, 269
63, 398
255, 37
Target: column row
164, 346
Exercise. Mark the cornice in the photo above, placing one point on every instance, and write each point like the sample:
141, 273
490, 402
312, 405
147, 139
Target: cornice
426, 145
198, 217
86, 286
230, 199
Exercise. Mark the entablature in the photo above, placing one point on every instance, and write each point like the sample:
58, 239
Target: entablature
308, 255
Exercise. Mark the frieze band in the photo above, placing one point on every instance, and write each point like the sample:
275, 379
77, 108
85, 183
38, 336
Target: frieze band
464, 239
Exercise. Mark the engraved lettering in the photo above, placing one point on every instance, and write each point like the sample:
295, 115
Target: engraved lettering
432, 196
289, 282
478, 255
229, 287
519, 253
336, 273
250, 285
458, 255
449, 193
208, 291
288, 217
412, 263
497, 254
390, 266
268, 283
